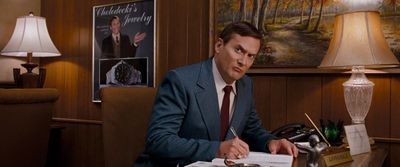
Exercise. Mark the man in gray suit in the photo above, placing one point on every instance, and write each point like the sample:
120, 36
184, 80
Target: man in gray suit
189, 121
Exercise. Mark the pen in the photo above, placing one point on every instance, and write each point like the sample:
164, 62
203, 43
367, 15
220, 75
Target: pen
233, 131
235, 134
316, 128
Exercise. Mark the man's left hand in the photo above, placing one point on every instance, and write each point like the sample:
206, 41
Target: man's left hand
283, 146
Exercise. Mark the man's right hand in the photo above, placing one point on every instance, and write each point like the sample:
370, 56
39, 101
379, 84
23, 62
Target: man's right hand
233, 149
138, 37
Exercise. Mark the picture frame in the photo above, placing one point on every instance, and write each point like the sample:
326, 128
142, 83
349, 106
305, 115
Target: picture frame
124, 51
286, 40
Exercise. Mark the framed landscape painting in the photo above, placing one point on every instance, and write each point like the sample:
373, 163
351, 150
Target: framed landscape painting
123, 45
296, 32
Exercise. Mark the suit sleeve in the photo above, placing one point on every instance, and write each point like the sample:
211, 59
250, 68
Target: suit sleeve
163, 140
254, 133
131, 48
133, 54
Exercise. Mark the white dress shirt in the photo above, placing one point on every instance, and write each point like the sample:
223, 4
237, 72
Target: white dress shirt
220, 85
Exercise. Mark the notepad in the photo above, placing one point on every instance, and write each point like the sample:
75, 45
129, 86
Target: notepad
262, 159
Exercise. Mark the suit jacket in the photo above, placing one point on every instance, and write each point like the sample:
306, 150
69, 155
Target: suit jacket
127, 49
185, 122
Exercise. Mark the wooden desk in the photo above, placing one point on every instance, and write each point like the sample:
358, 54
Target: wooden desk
375, 158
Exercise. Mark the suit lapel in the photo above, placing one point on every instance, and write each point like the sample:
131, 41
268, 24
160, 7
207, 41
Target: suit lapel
207, 100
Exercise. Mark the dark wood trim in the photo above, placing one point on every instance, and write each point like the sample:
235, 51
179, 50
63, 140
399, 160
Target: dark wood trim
84, 121
8, 85
211, 29
386, 139
314, 70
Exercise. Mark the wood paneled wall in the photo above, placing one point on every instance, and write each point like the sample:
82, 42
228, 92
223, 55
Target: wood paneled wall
284, 98
182, 38
182, 30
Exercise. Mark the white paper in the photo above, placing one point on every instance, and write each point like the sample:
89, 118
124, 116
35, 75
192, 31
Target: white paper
200, 164
262, 159
358, 139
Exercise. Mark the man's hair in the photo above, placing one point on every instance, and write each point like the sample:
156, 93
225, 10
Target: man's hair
242, 28
113, 18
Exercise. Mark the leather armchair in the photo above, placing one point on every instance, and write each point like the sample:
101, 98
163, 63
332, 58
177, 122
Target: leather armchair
25, 117
126, 113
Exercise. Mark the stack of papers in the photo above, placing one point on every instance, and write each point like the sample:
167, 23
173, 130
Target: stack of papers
260, 158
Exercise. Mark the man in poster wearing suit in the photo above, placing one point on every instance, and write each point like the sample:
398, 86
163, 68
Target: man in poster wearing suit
118, 45
196, 105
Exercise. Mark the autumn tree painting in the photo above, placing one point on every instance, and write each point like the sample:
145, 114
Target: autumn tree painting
297, 32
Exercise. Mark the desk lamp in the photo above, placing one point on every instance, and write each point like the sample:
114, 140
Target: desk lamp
358, 43
30, 39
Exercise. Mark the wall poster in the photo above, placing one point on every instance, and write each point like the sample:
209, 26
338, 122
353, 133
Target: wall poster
123, 45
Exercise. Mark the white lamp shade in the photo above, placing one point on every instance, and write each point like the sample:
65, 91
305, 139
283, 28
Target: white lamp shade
30, 36
358, 40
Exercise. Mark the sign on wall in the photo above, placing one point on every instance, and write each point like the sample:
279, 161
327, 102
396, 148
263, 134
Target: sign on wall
123, 45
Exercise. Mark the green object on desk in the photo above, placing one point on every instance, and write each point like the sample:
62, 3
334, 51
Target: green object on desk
331, 131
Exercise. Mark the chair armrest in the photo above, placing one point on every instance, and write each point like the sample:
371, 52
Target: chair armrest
27, 96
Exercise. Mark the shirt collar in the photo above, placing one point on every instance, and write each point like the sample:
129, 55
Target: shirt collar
114, 36
219, 82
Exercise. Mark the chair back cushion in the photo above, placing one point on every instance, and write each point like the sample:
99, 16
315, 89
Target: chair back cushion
25, 118
126, 113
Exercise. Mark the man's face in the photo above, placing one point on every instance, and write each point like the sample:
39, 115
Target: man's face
115, 26
235, 57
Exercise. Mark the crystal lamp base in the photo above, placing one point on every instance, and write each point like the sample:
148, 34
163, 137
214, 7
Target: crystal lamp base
358, 94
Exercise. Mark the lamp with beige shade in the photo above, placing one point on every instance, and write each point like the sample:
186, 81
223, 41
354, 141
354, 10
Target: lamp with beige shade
358, 42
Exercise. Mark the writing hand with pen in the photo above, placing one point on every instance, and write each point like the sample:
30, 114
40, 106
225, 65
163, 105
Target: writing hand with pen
234, 148
237, 148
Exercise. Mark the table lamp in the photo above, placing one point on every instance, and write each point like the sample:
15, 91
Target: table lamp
358, 42
30, 39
